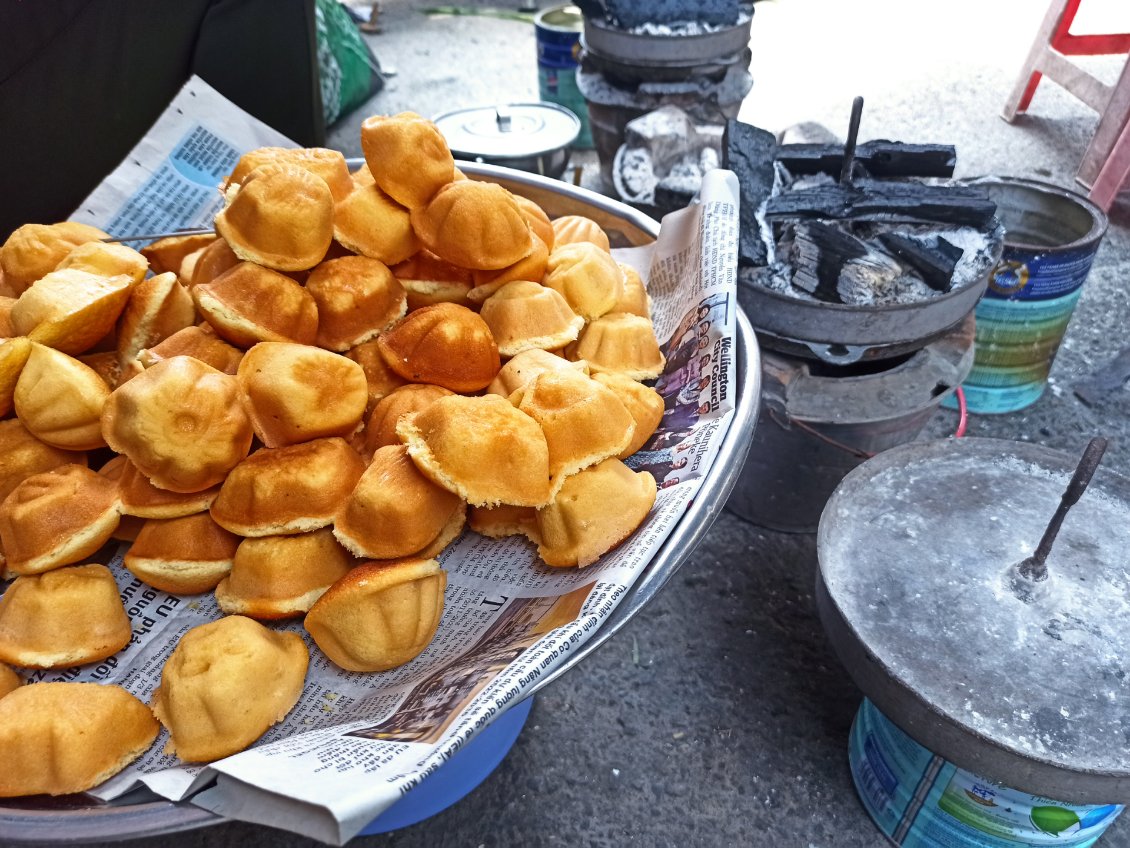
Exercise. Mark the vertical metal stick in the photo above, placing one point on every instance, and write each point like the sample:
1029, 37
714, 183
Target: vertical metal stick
852, 137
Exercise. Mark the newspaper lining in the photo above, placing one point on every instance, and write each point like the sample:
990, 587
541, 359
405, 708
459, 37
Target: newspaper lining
356, 742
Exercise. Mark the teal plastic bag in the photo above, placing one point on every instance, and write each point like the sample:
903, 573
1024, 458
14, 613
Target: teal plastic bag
349, 72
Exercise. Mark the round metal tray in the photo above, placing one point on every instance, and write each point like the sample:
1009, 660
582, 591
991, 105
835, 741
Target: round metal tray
78, 818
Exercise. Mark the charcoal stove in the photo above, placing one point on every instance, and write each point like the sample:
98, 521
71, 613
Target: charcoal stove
628, 71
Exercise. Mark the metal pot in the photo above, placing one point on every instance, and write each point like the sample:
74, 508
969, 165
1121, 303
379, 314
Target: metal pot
532, 137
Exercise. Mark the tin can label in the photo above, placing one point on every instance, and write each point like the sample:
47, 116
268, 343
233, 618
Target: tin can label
557, 34
1025, 275
920, 800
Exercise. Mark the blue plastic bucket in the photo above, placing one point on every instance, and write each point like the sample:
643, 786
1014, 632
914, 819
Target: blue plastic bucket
1051, 236
558, 37
920, 800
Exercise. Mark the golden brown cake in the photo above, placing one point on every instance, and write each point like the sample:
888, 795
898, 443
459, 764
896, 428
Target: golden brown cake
498, 522
6, 304
282, 576
60, 400
70, 310
357, 297
292, 489
445, 345
407, 157
380, 615
62, 738
13, 356
168, 254
594, 511
328, 164
66, 617
644, 404
587, 277
280, 216
216, 258
157, 308
199, 342
480, 448
296, 393
9, 680
380, 427
105, 365
140, 498
248, 304
57, 518
34, 250
537, 219
524, 315
225, 684
184, 556
180, 422
571, 229
619, 343
525, 366
380, 379
474, 225
634, 300
22, 455
394, 510
371, 223
584, 422
106, 260
427, 279
530, 267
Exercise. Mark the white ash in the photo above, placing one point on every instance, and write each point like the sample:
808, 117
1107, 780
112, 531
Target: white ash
776, 276
807, 181
683, 28
633, 174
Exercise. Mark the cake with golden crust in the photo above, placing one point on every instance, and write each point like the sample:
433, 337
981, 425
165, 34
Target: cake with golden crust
380, 379
291, 489
248, 304
140, 498
280, 216
275, 577
157, 308
498, 522
634, 299
594, 511
294, 393
62, 738
380, 615
181, 422
168, 254
525, 366
644, 404
330, 165
537, 219
427, 279
394, 510
13, 357
523, 315
216, 258
34, 250
199, 342
529, 267
407, 157
380, 427
60, 400
57, 518
70, 310
443, 344
106, 260
474, 225
371, 223
572, 229
621, 344
357, 297
587, 277
65, 617
225, 684
480, 448
9, 680
184, 556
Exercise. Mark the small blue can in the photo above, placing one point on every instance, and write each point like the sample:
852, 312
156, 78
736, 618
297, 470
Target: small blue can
558, 35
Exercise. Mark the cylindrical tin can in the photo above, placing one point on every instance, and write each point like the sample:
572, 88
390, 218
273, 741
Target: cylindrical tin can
920, 800
558, 33
1051, 236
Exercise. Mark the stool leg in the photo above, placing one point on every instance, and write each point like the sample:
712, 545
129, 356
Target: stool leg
1111, 121
1113, 173
1058, 18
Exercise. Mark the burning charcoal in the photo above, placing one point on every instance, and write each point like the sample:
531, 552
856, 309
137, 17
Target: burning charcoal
636, 13
667, 134
748, 151
818, 255
871, 279
871, 200
932, 257
879, 158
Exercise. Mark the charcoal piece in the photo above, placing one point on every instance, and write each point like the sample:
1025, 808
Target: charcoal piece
878, 158
818, 256
933, 258
635, 13
891, 201
666, 133
748, 151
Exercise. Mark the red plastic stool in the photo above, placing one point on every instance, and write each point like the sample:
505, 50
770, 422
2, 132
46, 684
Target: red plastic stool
1112, 175
1048, 57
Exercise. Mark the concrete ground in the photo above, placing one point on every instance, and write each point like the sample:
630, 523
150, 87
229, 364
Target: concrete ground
719, 715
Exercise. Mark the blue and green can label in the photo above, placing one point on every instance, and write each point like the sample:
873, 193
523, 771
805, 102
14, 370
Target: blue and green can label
558, 35
1024, 274
920, 800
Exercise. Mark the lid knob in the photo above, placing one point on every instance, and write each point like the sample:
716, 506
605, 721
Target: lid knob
502, 118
